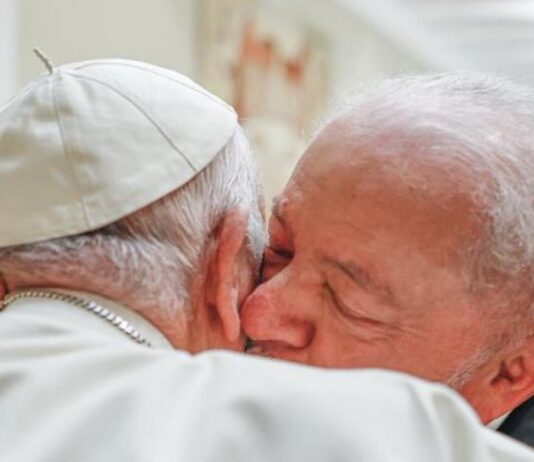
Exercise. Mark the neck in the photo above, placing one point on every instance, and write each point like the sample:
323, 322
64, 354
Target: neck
167, 317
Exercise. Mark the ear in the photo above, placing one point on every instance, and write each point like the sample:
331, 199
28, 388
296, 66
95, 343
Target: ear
231, 276
506, 383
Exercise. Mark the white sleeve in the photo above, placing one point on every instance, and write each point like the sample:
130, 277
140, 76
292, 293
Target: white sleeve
305, 414
89, 402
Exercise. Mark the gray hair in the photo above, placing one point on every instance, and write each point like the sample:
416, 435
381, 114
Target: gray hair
153, 253
475, 125
478, 130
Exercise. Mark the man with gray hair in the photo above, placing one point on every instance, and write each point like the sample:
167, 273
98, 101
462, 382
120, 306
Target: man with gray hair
130, 225
79, 195
405, 240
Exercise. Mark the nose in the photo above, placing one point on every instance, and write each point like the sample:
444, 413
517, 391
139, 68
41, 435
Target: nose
271, 316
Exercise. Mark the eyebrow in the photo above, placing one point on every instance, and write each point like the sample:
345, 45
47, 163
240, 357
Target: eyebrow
365, 280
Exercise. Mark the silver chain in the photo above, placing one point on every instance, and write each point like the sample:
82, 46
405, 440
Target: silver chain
107, 315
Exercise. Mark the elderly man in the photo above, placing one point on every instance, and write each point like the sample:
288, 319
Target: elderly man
405, 240
130, 224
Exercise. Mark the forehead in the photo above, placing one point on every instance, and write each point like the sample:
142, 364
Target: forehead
341, 191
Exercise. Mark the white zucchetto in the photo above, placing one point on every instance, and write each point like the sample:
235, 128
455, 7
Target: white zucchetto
89, 143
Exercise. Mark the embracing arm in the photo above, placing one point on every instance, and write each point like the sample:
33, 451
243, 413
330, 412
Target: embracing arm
115, 402
296, 413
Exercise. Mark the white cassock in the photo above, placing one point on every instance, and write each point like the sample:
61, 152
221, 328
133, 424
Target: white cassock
75, 388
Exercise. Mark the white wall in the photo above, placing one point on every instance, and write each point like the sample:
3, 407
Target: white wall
8, 49
359, 51
158, 31
166, 32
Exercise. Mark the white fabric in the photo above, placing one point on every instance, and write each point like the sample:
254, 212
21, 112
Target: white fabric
95, 141
73, 388
141, 324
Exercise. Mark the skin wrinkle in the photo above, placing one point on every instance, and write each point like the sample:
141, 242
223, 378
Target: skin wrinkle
408, 212
367, 329
362, 278
154, 259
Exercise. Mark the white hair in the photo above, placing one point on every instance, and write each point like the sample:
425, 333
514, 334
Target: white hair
476, 124
154, 253
478, 130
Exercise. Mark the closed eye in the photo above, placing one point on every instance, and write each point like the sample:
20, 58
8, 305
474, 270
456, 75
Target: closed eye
274, 261
344, 309
348, 312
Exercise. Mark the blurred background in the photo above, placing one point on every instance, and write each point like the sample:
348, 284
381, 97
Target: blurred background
277, 61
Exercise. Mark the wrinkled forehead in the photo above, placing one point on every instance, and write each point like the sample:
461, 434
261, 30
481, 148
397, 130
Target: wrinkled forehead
343, 159
350, 186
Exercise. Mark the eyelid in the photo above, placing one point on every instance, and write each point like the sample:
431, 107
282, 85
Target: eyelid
335, 298
343, 307
278, 252
351, 314
274, 260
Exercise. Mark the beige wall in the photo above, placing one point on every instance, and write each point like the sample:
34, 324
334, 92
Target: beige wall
159, 31
358, 51
165, 32
8, 49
